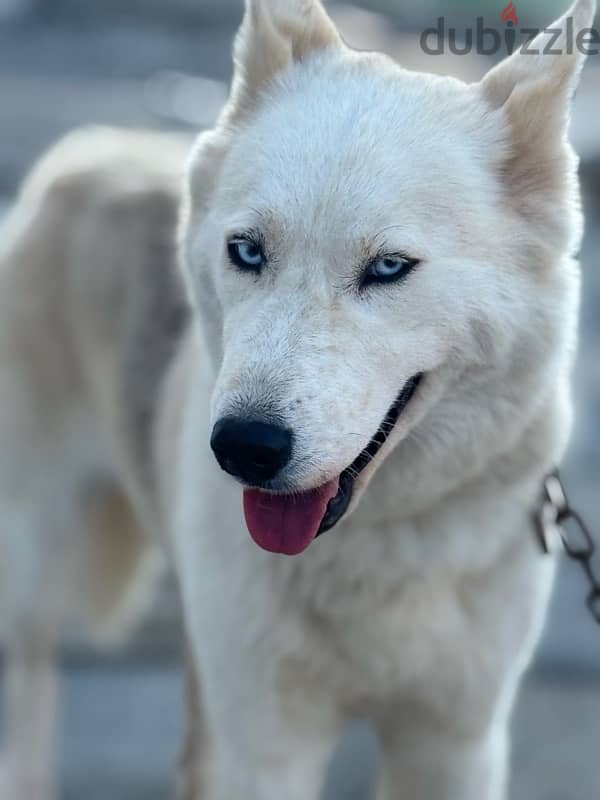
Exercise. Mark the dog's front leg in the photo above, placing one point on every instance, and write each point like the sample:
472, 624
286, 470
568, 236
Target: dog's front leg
264, 749
271, 729
195, 763
421, 764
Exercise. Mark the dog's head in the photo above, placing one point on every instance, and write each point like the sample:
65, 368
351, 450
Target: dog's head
379, 258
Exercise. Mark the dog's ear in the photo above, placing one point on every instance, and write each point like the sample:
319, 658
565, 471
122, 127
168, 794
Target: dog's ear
274, 34
534, 88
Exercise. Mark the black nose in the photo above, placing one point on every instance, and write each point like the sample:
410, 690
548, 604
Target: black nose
253, 451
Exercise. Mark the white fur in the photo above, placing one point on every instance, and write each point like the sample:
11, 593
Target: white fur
421, 609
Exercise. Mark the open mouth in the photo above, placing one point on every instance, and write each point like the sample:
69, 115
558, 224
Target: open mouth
288, 523
338, 505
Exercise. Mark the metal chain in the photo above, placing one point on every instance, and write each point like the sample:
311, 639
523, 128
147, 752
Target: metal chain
559, 522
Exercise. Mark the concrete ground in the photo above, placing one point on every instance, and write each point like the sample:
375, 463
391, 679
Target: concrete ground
122, 716
122, 728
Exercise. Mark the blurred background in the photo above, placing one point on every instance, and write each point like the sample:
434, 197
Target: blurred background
166, 64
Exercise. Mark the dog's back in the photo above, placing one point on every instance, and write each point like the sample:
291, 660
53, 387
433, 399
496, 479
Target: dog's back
90, 309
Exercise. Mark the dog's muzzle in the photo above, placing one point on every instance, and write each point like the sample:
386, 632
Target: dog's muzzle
338, 505
256, 452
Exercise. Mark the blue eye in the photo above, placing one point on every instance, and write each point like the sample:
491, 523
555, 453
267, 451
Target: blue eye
385, 269
246, 254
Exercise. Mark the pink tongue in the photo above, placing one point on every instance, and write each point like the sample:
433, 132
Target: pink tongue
285, 523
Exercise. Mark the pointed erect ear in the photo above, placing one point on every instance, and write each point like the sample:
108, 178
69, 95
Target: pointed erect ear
533, 90
535, 86
273, 35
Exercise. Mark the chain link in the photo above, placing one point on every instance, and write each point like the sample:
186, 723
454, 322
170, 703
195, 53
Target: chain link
559, 522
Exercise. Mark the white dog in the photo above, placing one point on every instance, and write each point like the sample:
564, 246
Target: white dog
381, 325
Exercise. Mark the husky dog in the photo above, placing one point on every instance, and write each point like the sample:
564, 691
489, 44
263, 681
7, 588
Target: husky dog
337, 415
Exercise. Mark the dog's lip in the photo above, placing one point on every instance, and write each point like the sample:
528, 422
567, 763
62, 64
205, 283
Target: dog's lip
339, 504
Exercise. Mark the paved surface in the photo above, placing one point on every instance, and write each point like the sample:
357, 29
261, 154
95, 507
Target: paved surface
122, 728
122, 719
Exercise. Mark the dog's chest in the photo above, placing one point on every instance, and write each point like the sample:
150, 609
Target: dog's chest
404, 609
373, 614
